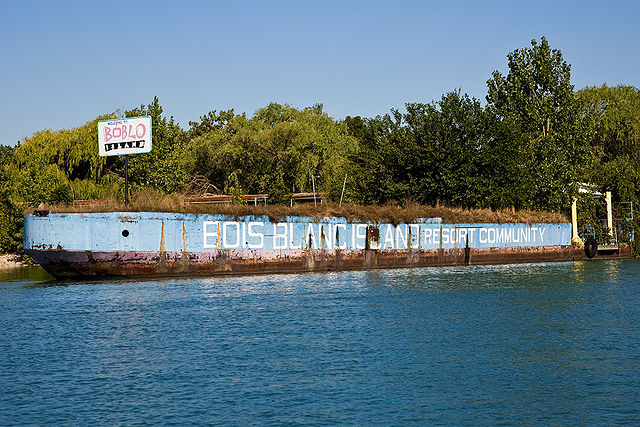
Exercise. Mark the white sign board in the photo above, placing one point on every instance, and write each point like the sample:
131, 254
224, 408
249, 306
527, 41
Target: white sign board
124, 136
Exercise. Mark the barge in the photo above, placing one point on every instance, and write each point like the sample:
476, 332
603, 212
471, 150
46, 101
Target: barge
128, 244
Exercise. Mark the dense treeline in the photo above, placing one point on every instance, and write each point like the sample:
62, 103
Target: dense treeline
528, 147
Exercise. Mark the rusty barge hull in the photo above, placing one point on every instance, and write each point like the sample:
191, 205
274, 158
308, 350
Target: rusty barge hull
130, 244
85, 264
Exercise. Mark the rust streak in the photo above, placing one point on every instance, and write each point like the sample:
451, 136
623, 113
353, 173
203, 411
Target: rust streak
63, 263
455, 243
184, 238
373, 234
323, 238
163, 247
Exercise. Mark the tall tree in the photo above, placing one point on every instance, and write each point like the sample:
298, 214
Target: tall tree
448, 136
611, 124
612, 116
430, 154
44, 165
536, 100
383, 166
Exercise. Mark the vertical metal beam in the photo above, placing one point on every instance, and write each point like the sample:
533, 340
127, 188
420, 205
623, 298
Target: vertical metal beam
575, 239
126, 179
609, 213
313, 182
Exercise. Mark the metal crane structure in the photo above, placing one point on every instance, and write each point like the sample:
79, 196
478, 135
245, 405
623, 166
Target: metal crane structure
594, 243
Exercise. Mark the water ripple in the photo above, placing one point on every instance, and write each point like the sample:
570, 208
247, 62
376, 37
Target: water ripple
551, 343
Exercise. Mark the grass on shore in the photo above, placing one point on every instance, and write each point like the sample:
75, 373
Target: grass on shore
152, 201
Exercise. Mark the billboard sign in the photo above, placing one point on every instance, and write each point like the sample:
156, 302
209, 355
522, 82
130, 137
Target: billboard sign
124, 136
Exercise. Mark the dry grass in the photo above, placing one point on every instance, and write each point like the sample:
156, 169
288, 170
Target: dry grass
151, 201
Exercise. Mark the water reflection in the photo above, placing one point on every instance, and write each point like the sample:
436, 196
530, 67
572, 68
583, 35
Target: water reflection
462, 279
612, 269
25, 274
426, 279
578, 271
609, 270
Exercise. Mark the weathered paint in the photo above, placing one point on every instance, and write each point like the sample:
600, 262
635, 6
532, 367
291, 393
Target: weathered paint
143, 243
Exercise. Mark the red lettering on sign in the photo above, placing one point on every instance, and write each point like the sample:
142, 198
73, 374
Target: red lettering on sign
139, 130
124, 132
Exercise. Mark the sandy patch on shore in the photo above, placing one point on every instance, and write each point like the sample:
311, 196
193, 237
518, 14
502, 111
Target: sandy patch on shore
8, 262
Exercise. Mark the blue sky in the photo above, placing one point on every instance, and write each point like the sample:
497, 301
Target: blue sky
66, 62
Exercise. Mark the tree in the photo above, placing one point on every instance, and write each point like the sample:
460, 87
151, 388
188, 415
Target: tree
536, 101
47, 166
10, 213
11, 223
430, 154
210, 121
611, 123
6, 155
277, 151
380, 166
74, 151
612, 119
448, 137
536, 93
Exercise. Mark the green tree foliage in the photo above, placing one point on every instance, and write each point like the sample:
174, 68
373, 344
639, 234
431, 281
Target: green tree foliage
537, 126
380, 169
35, 183
611, 125
43, 165
448, 138
6, 155
612, 116
431, 154
73, 150
536, 93
11, 224
59, 166
10, 213
209, 122
275, 152
6, 158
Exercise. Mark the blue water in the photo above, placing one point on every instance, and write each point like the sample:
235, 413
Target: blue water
555, 343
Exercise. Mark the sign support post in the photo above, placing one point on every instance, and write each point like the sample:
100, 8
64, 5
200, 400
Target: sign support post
126, 180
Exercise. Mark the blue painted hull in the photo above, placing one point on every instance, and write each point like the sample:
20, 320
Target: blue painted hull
144, 243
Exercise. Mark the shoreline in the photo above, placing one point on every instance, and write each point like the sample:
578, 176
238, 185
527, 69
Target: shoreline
10, 262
